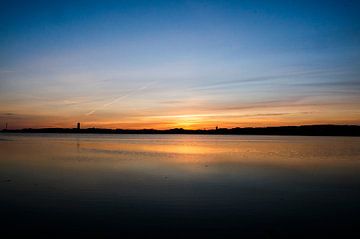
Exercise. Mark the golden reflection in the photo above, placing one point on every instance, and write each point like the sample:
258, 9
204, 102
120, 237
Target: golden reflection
178, 154
188, 149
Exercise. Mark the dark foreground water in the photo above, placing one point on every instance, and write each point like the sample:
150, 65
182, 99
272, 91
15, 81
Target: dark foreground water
179, 186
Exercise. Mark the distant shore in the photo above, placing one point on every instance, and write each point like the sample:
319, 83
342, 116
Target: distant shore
306, 130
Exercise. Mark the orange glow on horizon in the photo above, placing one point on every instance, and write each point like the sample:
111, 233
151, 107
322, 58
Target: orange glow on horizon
187, 118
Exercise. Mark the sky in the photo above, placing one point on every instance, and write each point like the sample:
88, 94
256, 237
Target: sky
189, 64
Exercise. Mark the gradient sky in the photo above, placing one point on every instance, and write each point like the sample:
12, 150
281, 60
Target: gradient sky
190, 64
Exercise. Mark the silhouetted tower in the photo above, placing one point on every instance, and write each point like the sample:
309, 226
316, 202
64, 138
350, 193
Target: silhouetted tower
78, 126
216, 128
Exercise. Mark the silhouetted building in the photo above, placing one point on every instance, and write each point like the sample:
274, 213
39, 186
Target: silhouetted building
78, 126
216, 128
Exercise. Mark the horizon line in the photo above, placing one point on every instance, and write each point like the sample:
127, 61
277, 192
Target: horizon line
203, 129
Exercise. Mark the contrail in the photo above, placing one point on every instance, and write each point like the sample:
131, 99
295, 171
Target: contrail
120, 97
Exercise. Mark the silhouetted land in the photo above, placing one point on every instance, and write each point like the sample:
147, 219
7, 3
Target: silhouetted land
310, 130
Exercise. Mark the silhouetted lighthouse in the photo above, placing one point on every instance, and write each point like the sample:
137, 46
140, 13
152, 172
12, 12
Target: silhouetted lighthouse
78, 126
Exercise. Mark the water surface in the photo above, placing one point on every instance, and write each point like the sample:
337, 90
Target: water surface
179, 186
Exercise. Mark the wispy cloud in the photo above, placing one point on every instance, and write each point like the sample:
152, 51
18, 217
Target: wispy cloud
266, 78
132, 92
7, 71
227, 114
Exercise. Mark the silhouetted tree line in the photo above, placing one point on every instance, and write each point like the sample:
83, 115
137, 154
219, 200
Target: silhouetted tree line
311, 130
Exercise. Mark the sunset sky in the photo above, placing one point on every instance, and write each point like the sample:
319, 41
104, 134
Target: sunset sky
190, 64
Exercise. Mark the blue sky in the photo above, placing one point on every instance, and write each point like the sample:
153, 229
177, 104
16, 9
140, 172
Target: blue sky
190, 64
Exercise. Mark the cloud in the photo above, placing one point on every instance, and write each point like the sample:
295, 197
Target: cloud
228, 114
132, 92
11, 116
170, 102
266, 78
7, 71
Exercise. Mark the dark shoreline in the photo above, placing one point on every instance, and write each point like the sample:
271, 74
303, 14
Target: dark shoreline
304, 130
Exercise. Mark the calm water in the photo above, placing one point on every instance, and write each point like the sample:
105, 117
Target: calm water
183, 186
